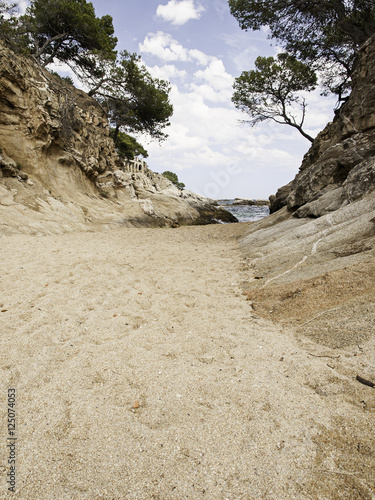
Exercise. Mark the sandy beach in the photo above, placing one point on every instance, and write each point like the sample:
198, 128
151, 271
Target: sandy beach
141, 372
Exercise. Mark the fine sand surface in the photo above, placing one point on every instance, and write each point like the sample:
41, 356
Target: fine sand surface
142, 372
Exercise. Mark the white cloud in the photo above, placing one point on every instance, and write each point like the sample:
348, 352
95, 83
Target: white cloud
163, 46
206, 137
213, 83
215, 75
179, 13
199, 133
22, 4
167, 72
200, 57
207, 92
166, 48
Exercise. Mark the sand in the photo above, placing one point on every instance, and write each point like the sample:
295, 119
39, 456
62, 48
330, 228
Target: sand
142, 372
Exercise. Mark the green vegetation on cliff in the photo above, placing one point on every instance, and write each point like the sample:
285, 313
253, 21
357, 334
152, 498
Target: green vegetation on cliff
136, 101
127, 147
325, 34
321, 36
173, 178
69, 31
269, 92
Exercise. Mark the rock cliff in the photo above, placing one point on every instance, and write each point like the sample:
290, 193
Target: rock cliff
339, 168
311, 264
59, 170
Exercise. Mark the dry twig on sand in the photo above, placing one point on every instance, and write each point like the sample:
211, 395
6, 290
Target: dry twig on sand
364, 381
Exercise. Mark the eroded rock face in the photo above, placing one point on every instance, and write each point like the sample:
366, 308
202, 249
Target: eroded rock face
339, 168
55, 152
46, 126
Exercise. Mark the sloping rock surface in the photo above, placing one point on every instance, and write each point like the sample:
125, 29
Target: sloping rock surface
311, 264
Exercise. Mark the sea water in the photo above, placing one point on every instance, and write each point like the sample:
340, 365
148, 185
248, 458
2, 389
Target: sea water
245, 213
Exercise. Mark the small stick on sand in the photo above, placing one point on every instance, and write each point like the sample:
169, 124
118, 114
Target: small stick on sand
323, 356
364, 381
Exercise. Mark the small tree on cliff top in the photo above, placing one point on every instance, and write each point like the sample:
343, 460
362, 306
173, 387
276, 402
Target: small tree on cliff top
320, 35
171, 176
270, 91
127, 147
324, 33
136, 101
68, 31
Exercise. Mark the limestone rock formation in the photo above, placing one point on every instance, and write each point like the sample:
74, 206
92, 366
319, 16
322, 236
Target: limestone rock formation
311, 264
339, 168
59, 169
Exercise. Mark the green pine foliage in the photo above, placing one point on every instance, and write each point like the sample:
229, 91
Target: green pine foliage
323, 33
127, 147
270, 92
68, 31
136, 101
320, 37
173, 178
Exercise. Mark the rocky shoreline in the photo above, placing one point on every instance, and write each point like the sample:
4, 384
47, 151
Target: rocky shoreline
242, 201
58, 176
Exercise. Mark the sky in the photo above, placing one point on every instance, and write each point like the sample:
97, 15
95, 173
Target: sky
199, 47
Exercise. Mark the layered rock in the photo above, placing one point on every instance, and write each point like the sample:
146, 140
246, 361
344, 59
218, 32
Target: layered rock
311, 264
57, 159
339, 168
